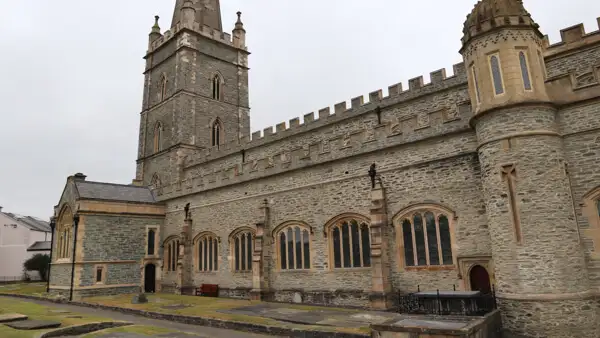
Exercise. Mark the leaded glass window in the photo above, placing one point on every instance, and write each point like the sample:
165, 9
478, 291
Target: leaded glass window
524, 71
207, 253
294, 247
351, 244
242, 248
496, 74
427, 239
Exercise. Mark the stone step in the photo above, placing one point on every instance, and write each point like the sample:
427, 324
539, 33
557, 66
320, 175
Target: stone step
33, 324
12, 317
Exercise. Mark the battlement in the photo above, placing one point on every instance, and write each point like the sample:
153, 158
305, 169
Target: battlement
325, 116
572, 38
204, 30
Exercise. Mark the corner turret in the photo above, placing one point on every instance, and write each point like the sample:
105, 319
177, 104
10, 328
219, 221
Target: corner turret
188, 14
502, 49
155, 32
239, 33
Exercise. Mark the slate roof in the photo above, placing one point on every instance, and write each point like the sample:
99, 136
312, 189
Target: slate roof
30, 222
40, 246
114, 192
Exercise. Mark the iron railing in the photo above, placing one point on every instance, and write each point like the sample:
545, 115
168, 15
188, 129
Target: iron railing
447, 303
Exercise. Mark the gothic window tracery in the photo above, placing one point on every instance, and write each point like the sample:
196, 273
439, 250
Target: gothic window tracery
524, 70
216, 87
293, 246
216, 133
171, 254
241, 248
206, 248
425, 235
496, 74
64, 230
350, 242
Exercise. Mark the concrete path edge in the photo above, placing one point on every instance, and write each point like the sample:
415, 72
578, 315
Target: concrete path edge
200, 321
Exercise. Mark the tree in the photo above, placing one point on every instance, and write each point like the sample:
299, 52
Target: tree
39, 263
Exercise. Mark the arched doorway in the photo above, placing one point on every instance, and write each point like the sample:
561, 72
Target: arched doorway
150, 278
480, 279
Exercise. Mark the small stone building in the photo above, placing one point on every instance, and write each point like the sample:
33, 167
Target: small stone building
489, 177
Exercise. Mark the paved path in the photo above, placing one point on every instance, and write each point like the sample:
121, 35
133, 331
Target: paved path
198, 331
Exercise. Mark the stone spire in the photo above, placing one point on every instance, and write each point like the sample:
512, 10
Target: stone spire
208, 12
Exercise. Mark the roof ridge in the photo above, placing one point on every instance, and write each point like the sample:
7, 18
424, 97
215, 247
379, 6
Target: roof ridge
113, 184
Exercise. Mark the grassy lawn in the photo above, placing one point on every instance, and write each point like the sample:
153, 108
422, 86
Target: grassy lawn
37, 312
208, 307
137, 329
36, 289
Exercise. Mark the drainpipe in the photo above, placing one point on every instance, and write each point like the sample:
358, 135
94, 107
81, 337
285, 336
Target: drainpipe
52, 226
75, 224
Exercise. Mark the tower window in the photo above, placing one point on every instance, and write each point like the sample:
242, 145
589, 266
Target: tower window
151, 241
216, 88
476, 84
524, 70
163, 87
157, 137
496, 74
217, 133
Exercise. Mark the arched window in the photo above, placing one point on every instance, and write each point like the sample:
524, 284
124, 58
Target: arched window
425, 236
171, 254
293, 246
151, 241
242, 246
350, 241
496, 74
216, 133
163, 87
216, 88
158, 129
524, 70
64, 230
476, 84
206, 246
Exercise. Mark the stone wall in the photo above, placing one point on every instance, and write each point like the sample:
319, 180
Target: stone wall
60, 275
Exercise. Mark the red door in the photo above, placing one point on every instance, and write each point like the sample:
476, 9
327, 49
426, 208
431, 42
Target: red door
480, 279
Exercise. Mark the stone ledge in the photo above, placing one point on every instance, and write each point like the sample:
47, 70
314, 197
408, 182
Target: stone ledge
217, 323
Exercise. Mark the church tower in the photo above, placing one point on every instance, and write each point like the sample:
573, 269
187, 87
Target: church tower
539, 264
195, 89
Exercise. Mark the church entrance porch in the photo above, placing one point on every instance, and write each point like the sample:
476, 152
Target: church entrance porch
150, 278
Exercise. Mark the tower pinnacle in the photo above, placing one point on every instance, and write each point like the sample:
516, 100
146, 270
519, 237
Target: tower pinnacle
208, 12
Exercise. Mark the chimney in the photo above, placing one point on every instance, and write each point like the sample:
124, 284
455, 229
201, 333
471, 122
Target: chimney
79, 177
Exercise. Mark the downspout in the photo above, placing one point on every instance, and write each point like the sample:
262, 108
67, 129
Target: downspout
52, 227
75, 224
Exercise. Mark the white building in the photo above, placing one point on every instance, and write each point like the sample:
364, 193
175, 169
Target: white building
21, 237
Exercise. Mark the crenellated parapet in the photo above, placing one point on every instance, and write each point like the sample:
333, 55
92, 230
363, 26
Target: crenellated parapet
399, 124
571, 38
339, 112
203, 30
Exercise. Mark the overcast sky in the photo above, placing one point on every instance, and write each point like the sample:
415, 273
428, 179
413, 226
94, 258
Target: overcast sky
71, 84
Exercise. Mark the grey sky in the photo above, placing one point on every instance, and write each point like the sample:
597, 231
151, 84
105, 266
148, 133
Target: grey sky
71, 84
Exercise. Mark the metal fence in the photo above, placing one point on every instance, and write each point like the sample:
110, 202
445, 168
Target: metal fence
447, 304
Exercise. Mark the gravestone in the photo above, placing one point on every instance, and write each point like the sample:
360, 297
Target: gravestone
297, 297
33, 324
11, 317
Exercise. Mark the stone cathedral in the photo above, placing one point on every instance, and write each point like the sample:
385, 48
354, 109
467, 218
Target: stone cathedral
486, 179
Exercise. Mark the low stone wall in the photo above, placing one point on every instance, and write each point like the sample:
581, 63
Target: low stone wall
82, 329
488, 326
238, 293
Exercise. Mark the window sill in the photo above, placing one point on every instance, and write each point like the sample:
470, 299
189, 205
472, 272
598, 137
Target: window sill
351, 269
430, 268
296, 270
248, 272
206, 272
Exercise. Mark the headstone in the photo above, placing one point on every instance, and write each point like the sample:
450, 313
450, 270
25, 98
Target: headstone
11, 317
139, 299
297, 297
33, 324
